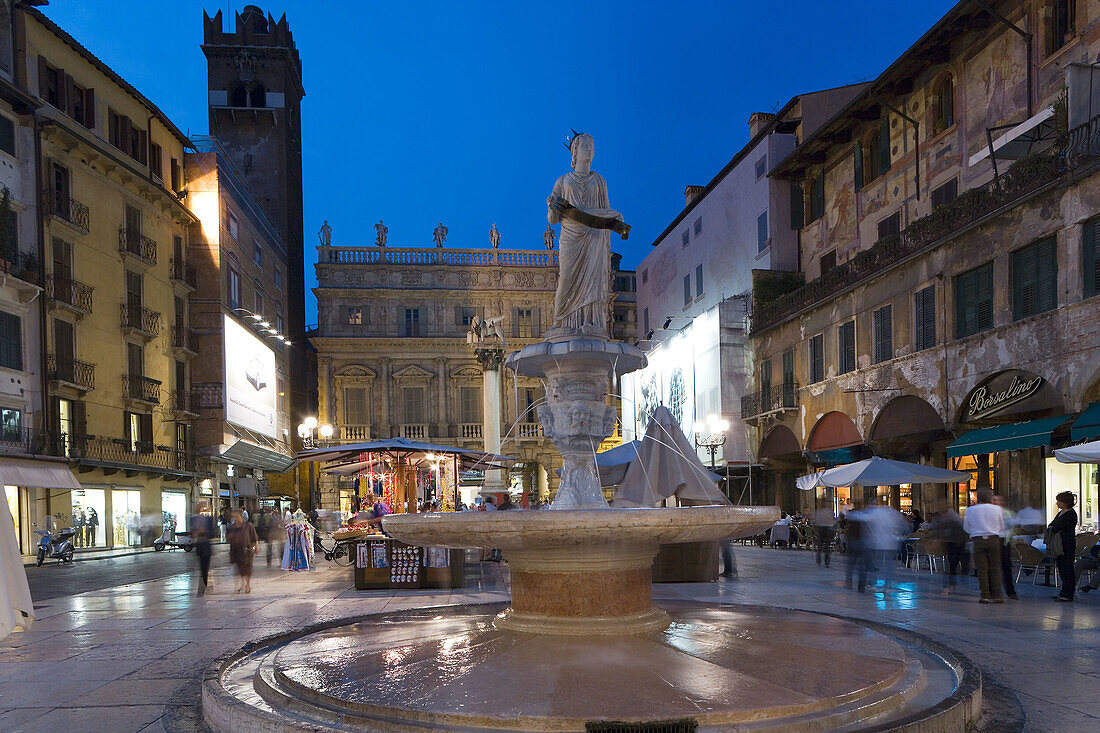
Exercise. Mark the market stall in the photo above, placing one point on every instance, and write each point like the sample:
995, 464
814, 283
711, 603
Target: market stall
405, 476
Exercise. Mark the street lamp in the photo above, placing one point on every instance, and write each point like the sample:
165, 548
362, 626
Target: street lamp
307, 430
716, 437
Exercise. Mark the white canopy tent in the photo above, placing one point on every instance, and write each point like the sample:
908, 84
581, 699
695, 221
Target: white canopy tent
1084, 453
880, 472
16, 608
665, 465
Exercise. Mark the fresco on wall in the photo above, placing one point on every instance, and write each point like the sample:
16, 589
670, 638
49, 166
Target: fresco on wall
994, 85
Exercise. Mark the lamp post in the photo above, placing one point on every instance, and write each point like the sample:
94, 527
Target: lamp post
306, 432
715, 438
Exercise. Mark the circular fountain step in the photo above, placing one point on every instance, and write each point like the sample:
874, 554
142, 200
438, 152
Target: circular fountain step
724, 667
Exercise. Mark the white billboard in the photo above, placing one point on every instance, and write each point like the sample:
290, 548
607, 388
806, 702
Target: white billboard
249, 379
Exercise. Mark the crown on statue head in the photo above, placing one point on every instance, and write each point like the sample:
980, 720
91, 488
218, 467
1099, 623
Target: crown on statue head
570, 138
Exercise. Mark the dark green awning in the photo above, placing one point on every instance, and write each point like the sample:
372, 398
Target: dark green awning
1006, 437
1088, 425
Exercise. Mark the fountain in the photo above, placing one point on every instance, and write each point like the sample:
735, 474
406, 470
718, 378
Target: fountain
581, 644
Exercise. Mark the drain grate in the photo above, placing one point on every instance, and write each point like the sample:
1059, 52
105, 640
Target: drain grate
682, 725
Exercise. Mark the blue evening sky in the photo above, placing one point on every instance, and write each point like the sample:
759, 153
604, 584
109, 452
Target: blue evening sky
456, 111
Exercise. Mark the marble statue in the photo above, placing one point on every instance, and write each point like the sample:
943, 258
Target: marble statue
579, 202
440, 234
482, 330
548, 237
383, 230
325, 235
494, 236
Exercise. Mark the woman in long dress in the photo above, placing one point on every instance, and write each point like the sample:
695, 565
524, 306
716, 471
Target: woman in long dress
584, 258
242, 549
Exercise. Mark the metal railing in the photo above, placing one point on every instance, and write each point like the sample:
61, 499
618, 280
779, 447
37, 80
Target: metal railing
123, 452
470, 430
141, 388
80, 374
181, 401
1075, 149
69, 210
207, 395
70, 292
27, 441
417, 431
141, 319
23, 265
778, 398
184, 272
354, 432
137, 244
184, 338
437, 256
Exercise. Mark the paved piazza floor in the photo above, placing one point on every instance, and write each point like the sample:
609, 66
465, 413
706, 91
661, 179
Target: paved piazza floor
129, 658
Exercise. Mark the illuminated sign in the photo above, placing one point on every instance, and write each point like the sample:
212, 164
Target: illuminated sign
249, 379
1001, 392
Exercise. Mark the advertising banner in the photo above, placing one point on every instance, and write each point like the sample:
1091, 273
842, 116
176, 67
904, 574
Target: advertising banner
249, 379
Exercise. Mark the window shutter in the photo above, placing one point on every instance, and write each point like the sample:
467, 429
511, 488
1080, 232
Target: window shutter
89, 108
125, 133
126, 429
1047, 275
143, 147
884, 145
11, 352
984, 290
43, 73
458, 318
1090, 261
536, 322
515, 323
766, 378
147, 433
68, 94
857, 158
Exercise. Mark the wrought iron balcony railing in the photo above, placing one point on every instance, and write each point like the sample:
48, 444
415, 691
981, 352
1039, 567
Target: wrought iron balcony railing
141, 320
141, 388
68, 210
122, 452
183, 339
184, 272
79, 374
137, 244
27, 441
72, 293
776, 399
182, 402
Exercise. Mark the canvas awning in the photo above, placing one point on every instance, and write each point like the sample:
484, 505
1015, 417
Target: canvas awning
36, 474
1087, 425
1084, 453
1017, 436
1018, 141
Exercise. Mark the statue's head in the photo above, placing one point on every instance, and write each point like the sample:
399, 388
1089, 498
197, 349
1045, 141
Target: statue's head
583, 149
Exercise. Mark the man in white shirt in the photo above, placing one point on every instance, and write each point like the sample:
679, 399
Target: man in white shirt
985, 523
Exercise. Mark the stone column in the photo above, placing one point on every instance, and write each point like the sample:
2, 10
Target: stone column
387, 398
325, 388
490, 358
441, 361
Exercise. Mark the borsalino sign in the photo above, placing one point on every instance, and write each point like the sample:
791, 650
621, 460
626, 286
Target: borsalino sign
991, 398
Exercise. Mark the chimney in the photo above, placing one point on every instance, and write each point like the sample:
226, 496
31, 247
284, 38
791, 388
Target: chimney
690, 194
757, 121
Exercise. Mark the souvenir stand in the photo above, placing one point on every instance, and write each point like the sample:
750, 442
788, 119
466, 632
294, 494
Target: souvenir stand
403, 473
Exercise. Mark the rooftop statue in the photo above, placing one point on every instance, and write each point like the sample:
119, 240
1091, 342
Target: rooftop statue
383, 230
494, 236
579, 201
325, 235
440, 234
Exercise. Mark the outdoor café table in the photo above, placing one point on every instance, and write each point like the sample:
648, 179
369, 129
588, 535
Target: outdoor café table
1040, 545
780, 532
908, 543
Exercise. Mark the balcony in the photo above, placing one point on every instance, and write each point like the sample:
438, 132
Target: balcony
354, 433
414, 431
69, 294
141, 388
115, 454
1073, 152
207, 396
470, 430
183, 340
182, 402
68, 210
70, 372
136, 244
529, 430
140, 321
183, 273
28, 442
776, 400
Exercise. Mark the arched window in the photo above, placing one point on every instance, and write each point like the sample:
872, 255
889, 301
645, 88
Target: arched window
259, 96
238, 97
943, 105
873, 154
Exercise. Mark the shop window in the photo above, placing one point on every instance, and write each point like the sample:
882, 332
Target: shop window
924, 318
687, 289
817, 196
889, 226
173, 507
1035, 279
817, 358
883, 333
469, 407
946, 193
88, 506
126, 519
762, 240
11, 341
846, 347
943, 105
1090, 256
698, 280
974, 301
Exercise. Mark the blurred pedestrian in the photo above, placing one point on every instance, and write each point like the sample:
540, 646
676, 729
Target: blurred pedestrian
242, 548
1006, 547
857, 550
1064, 527
947, 527
884, 527
984, 522
202, 532
276, 536
1089, 561
824, 532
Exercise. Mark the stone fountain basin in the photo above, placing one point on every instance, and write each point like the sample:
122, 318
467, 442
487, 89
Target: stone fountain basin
581, 528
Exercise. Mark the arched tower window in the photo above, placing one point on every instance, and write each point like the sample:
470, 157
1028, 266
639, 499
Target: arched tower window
943, 105
259, 95
239, 96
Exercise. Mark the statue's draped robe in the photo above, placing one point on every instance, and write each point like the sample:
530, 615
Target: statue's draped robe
584, 258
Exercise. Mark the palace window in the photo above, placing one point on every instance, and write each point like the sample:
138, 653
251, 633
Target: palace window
1090, 256
943, 106
469, 408
1061, 23
924, 318
355, 406
882, 337
234, 289
525, 324
412, 323
7, 136
766, 378
355, 316
974, 301
412, 405
846, 347
762, 167
817, 358
1035, 278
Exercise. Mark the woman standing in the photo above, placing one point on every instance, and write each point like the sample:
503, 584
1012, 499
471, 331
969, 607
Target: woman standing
242, 548
1064, 528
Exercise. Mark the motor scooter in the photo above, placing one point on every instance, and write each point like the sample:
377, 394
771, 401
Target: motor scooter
59, 547
170, 538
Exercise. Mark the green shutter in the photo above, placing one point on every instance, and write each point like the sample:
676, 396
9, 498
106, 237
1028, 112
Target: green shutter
1090, 262
1047, 275
984, 305
11, 342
